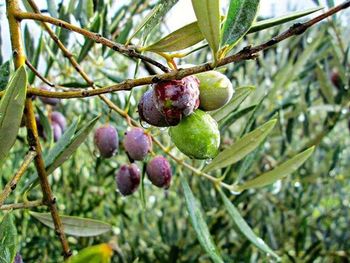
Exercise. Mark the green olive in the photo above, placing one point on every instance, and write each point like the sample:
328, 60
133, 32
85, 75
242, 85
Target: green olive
197, 136
215, 90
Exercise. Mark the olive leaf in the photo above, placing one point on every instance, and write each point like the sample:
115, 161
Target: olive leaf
75, 226
11, 111
238, 97
240, 17
8, 239
199, 224
277, 173
208, 17
4, 75
241, 148
244, 228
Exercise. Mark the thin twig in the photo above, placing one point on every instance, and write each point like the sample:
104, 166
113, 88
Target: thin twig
11, 185
26, 205
34, 70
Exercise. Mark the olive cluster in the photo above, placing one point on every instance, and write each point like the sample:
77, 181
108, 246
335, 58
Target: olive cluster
181, 105
137, 144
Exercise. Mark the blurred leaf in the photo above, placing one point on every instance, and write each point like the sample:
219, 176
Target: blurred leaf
52, 8
73, 145
51, 156
199, 224
94, 254
4, 75
182, 38
264, 24
35, 60
11, 111
208, 17
85, 11
75, 226
88, 44
234, 116
240, 17
277, 173
143, 23
245, 228
123, 36
28, 43
325, 85
238, 97
8, 239
241, 148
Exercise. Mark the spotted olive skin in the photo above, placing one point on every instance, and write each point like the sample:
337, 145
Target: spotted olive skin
137, 143
159, 172
148, 111
57, 131
197, 136
106, 140
49, 101
215, 90
176, 99
128, 179
59, 118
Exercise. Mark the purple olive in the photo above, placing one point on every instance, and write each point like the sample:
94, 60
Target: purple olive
40, 127
49, 101
59, 119
18, 258
336, 79
176, 99
137, 144
57, 131
128, 179
159, 172
106, 140
148, 111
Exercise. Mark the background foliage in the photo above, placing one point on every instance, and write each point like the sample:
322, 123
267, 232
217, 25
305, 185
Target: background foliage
304, 218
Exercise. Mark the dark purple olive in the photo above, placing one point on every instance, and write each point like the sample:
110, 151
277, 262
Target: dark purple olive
159, 172
57, 131
148, 111
59, 119
336, 79
137, 144
106, 140
40, 127
49, 101
128, 179
176, 99
18, 258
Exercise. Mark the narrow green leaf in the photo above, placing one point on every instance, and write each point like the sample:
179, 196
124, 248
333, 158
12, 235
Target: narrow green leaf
143, 23
8, 239
4, 75
245, 228
208, 17
277, 173
35, 59
56, 150
75, 226
199, 224
234, 116
44, 120
182, 38
157, 17
52, 8
325, 84
238, 97
125, 32
88, 44
11, 111
77, 140
241, 148
240, 17
94, 254
264, 24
